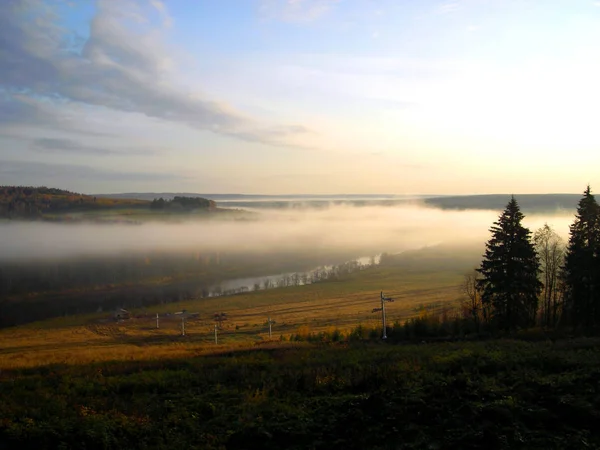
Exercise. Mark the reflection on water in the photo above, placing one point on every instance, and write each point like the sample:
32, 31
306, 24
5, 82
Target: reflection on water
293, 278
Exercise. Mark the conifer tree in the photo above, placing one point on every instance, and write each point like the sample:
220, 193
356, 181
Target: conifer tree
509, 272
581, 271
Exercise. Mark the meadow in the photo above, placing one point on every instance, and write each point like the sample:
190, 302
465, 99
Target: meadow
495, 394
88, 381
312, 308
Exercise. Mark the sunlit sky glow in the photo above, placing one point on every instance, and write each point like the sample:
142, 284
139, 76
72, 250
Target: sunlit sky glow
301, 96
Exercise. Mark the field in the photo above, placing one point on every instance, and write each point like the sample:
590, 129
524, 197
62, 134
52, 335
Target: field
493, 395
91, 382
312, 308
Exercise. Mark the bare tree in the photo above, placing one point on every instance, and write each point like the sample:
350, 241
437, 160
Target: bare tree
551, 251
304, 278
295, 281
316, 276
473, 305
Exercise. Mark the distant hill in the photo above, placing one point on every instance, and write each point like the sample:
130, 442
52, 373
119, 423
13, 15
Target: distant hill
27, 202
532, 203
259, 197
43, 203
296, 201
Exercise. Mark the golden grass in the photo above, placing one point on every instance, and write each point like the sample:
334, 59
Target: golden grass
313, 308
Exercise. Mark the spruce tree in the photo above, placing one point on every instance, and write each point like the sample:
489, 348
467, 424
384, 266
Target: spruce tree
509, 272
581, 270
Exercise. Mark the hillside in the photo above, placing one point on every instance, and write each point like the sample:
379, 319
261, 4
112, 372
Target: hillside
251, 197
43, 203
529, 203
36, 202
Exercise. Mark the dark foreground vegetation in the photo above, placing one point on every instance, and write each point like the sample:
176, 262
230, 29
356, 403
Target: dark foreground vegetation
502, 394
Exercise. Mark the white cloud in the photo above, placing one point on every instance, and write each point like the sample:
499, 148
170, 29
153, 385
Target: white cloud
161, 8
447, 7
296, 10
117, 68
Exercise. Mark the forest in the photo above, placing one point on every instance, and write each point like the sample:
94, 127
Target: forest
42, 203
528, 280
183, 203
42, 289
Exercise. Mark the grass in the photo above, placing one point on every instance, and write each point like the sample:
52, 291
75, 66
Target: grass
319, 307
88, 382
496, 395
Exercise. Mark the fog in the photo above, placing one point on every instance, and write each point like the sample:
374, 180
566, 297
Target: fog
360, 231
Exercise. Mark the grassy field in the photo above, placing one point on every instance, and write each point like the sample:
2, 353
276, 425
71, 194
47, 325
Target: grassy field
494, 395
312, 308
90, 382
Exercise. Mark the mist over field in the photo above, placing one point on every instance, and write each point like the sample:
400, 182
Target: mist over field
359, 231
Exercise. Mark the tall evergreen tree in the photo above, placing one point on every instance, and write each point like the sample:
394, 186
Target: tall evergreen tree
509, 272
582, 269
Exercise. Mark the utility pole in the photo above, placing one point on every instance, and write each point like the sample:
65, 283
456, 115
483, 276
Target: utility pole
382, 309
270, 322
219, 318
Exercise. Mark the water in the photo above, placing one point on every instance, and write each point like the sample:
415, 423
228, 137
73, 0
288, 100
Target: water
239, 285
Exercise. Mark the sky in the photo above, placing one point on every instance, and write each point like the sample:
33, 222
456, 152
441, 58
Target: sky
300, 96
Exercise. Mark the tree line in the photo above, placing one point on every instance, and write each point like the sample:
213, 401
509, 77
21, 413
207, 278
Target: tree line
39, 289
183, 204
319, 275
527, 279
33, 203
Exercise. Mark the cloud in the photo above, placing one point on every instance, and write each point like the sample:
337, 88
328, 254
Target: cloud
59, 145
35, 173
162, 10
275, 133
115, 68
23, 110
296, 10
448, 7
